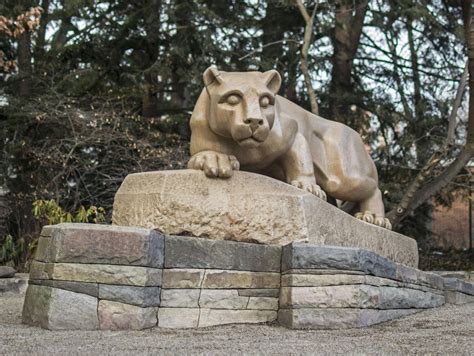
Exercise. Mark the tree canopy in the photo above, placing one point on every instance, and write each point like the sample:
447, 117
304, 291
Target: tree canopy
94, 90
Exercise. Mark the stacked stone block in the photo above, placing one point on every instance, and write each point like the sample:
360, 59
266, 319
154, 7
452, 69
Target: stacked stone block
208, 283
335, 287
122, 278
109, 277
95, 277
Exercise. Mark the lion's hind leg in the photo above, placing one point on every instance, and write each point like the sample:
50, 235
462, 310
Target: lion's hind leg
372, 211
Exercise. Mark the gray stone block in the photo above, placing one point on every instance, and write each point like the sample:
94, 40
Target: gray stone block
319, 271
139, 296
58, 309
453, 297
338, 318
416, 276
300, 255
91, 289
358, 296
7, 272
191, 252
15, 285
102, 244
457, 285
270, 292
120, 316
321, 280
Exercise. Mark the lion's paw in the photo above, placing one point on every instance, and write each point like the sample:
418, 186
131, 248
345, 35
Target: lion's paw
310, 186
214, 164
375, 219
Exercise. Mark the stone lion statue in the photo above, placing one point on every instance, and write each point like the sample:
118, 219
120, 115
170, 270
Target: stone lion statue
239, 122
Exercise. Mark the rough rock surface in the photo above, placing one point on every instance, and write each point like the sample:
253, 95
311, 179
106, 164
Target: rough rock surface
247, 207
339, 318
120, 316
58, 309
358, 296
104, 244
7, 272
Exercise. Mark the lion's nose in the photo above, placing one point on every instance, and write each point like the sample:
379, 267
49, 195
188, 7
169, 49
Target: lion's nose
253, 123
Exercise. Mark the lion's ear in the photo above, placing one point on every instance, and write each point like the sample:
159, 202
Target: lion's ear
273, 80
211, 75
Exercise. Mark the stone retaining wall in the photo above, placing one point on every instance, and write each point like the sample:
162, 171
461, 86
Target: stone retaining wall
122, 278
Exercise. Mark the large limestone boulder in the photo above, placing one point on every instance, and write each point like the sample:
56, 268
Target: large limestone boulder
247, 207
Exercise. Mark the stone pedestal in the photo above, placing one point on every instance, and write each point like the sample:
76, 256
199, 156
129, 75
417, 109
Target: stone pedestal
250, 208
87, 276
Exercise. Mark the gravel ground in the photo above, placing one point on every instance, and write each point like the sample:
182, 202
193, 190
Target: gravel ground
446, 330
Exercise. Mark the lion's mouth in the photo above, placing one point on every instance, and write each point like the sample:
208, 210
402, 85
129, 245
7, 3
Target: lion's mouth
250, 142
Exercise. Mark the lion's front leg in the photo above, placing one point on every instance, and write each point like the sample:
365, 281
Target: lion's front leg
214, 164
298, 166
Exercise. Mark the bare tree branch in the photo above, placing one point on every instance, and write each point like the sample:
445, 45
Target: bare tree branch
308, 31
418, 192
267, 45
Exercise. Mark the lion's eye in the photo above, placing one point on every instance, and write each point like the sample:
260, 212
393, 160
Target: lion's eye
233, 99
264, 101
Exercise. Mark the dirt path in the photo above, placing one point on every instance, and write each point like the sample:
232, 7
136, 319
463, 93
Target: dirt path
447, 330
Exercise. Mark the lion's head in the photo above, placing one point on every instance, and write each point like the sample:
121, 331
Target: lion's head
242, 105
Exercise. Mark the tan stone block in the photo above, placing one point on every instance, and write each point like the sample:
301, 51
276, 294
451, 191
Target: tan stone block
107, 274
120, 316
316, 280
239, 279
44, 249
41, 270
47, 230
178, 318
211, 317
222, 299
263, 303
180, 298
250, 208
182, 278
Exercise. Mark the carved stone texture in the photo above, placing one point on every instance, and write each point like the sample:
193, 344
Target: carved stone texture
250, 208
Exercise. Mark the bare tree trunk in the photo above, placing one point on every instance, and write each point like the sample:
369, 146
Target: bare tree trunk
418, 193
24, 63
41, 39
150, 102
347, 32
149, 98
417, 98
290, 89
308, 32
